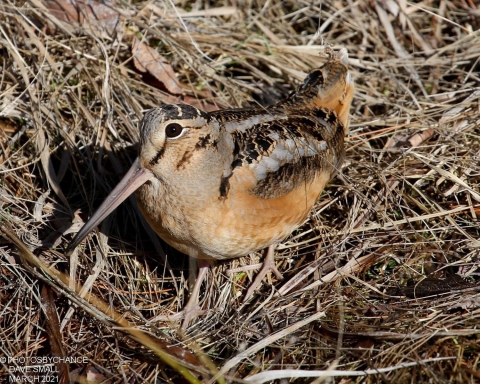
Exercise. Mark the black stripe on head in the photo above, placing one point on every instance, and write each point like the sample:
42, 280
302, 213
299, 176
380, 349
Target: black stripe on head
157, 157
171, 111
185, 112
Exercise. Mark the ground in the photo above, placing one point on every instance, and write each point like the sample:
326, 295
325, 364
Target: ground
389, 256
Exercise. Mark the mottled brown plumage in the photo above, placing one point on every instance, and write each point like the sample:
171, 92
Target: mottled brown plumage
223, 184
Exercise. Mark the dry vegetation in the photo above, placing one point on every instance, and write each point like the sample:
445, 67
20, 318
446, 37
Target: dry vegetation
389, 257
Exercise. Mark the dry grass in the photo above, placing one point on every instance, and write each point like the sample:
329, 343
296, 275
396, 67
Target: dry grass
404, 208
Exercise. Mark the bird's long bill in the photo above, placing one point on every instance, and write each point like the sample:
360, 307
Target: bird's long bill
135, 177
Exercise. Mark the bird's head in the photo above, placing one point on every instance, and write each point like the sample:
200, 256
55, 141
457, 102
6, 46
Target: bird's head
172, 139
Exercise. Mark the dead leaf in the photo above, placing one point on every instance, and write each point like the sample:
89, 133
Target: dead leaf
148, 60
97, 17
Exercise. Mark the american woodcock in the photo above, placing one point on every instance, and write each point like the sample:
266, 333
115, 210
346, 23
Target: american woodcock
222, 184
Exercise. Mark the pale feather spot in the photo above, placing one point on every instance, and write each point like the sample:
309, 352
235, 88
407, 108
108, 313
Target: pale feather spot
260, 171
279, 153
322, 146
300, 151
289, 157
290, 145
325, 124
311, 150
275, 136
243, 125
271, 164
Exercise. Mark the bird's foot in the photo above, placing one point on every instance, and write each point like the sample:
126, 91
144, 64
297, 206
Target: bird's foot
190, 312
192, 309
268, 265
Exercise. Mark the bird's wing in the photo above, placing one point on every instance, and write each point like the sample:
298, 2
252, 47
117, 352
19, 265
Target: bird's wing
285, 152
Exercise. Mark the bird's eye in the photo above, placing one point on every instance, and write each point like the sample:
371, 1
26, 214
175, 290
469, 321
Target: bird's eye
173, 130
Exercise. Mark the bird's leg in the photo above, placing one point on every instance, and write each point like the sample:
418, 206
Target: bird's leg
268, 265
191, 310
